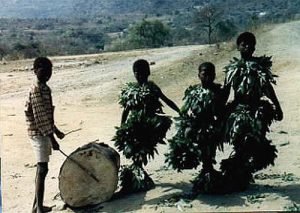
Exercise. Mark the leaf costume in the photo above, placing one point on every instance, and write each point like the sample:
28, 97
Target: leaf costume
198, 133
250, 78
249, 119
138, 137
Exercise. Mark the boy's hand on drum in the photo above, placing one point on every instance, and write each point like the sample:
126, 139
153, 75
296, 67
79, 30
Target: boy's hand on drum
59, 134
55, 145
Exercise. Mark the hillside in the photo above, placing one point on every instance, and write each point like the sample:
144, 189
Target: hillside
92, 8
29, 28
85, 90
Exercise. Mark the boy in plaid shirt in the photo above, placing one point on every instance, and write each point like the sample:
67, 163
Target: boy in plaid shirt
41, 129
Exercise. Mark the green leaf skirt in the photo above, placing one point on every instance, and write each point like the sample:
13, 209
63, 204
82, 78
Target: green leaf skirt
246, 129
139, 136
195, 141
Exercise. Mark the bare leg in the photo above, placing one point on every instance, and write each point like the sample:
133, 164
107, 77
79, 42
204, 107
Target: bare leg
207, 158
34, 201
42, 170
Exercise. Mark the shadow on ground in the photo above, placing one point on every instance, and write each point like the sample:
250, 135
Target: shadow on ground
174, 192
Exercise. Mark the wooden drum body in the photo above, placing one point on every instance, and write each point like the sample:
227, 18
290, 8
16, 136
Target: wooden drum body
78, 187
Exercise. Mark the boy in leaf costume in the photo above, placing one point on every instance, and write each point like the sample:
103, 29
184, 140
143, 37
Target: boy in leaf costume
199, 131
142, 127
249, 114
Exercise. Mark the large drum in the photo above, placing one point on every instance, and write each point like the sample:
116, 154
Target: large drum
89, 175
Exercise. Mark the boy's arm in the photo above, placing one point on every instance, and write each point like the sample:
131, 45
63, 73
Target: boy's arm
124, 115
226, 90
169, 102
58, 133
221, 99
55, 145
272, 96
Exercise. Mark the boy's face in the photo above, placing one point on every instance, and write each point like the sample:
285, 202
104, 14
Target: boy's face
141, 77
206, 76
246, 49
43, 74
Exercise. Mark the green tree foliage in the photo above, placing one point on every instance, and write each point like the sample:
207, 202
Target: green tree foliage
225, 30
30, 50
4, 50
253, 22
148, 34
181, 36
92, 36
207, 17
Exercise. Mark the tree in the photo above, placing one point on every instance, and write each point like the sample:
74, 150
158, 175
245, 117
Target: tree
149, 34
91, 38
207, 16
29, 50
181, 36
4, 50
225, 30
253, 22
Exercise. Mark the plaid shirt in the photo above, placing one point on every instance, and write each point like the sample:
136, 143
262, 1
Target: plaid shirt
39, 111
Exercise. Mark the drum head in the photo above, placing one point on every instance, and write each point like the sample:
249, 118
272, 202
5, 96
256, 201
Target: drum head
77, 187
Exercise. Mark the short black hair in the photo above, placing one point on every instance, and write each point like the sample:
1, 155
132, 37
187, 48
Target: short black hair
141, 65
42, 62
210, 66
246, 36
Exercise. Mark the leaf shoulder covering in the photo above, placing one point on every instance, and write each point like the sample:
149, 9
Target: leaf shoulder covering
246, 76
197, 99
134, 95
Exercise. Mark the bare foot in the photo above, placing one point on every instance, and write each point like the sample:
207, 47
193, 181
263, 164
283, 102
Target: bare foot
45, 209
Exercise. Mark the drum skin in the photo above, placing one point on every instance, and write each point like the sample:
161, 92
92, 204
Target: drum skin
77, 187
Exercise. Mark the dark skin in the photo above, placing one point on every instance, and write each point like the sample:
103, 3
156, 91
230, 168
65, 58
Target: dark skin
206, 77
43, 74
142, 78
246, 50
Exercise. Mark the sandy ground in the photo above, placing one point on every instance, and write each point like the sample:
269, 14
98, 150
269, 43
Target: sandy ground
85, 91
